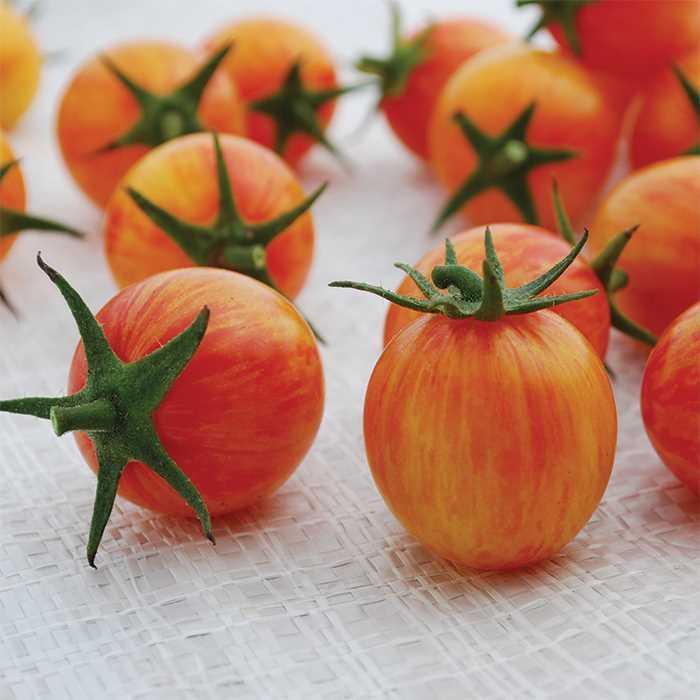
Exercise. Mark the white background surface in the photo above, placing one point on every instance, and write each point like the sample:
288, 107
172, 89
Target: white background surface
317, 592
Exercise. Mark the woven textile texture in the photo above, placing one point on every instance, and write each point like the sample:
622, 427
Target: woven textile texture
317, 592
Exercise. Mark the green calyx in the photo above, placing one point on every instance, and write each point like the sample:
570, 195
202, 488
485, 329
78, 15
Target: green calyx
504, 162
164, 117
229, 242
604, 265
468, 295
395, 69
694, 98
13, 221
294, 109
561, 12
115, 409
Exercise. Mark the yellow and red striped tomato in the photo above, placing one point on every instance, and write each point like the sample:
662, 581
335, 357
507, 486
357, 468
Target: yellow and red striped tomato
663, 259
666, 125
525, 252
180, 176
246, 409
20, 65
448, 45
671, 398
12, 192
491, 441
96, 109
265, 50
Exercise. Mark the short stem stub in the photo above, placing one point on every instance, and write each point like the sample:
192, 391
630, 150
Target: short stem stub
172, 125
98, 415
511, 156
246, 259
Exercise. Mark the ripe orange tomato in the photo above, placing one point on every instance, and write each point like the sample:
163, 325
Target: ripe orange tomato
492, 442
632, 38
181, 178
671, 397
97, 109
20, 64
663, 259
667, 124
12, 192
244, 411
413, 77
526, 116
265, 51
525, 253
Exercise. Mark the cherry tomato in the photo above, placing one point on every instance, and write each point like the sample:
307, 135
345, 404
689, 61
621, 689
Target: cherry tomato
102, 127
421, 63
525, 253
245, 410
663, 259
671, 397
20, 65
511, 119
12, 192
181, 178
262, 64
668, 122
631, 38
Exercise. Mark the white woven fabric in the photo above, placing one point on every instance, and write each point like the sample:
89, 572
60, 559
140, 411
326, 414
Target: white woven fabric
318, 592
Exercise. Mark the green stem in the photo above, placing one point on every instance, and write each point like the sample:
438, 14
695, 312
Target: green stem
98, 415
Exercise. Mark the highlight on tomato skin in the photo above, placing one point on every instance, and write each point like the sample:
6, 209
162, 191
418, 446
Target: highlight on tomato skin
571, 134
633, 38
266, 51
181, 178
246, 409
525, 252
20, 66
412, 77
97, 110
663, 259
667, 123
670, 398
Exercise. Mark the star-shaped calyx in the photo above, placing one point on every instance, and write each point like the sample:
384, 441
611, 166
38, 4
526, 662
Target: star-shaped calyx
115, 409
165, 117
561, 12
504, 162
605, 267
13, 221
294, 109
470, 296
694, 98
395, 69
230, 242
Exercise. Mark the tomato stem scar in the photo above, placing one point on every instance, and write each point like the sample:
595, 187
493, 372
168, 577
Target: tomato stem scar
115, 408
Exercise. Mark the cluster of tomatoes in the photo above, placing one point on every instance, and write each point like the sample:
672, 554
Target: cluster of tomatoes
490, 423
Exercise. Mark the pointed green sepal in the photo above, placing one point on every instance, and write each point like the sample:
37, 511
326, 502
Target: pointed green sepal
561, 12
605, 267
164, 117
504, 163
294, 109
115, 408
693, 96
469, 295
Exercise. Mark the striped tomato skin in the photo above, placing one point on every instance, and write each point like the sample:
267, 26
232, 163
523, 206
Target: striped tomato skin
180, 177
246, 409
492, 442
525, 253
12, 192
663, 258
96, 109
264, 51
671, 398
